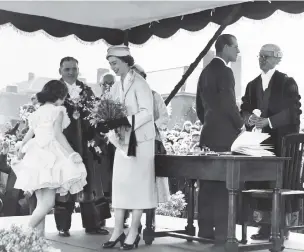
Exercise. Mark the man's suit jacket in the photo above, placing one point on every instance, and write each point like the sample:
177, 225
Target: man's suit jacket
216, 106
78, 133
280, 102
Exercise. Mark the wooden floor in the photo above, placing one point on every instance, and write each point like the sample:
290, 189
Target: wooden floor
81, 242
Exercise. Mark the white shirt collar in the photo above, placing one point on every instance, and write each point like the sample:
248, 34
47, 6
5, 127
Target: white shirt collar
269, 73
266, 77
70, 86
74, 84
217, 57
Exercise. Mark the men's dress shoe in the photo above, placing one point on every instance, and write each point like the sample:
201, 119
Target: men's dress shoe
103, 223
260, 237
64, 233
100, 231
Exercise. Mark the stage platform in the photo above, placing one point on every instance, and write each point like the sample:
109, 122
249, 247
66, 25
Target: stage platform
81, 242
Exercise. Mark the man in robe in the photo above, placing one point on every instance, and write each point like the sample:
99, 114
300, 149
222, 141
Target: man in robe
78, 133
277, 97
217, 110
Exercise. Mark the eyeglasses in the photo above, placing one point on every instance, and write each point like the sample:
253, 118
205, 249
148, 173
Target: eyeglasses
108, 84
263, 57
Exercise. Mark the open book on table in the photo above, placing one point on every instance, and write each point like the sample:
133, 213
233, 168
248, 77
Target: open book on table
249, 143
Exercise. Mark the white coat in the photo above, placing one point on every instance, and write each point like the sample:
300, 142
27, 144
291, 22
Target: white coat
134, 177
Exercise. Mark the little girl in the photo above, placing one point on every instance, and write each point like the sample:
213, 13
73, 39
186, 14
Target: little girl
49, 165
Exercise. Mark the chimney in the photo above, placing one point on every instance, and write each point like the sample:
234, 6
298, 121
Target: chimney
101, 72
31, 76
11, 89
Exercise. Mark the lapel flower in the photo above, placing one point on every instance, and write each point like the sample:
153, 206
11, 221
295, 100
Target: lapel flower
74, 92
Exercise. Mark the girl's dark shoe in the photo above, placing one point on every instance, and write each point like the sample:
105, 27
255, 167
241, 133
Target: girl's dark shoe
126, 246
111, 244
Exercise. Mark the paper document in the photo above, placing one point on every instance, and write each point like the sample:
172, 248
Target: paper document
249, 143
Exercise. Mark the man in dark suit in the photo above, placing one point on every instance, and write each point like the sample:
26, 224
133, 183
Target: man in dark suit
217, 110
277, 97
78, 133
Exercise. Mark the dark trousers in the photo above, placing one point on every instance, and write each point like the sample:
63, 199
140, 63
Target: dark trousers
213, 210
11, 197
213, 207
89, 214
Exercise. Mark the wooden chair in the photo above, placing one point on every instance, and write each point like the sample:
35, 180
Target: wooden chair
292, 146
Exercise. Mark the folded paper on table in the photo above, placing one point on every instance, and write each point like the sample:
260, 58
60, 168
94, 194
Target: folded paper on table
249, 143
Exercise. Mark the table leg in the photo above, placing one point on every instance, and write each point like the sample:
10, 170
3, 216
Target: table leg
232, 243
190, 229
243, 217
148, 233
275, 237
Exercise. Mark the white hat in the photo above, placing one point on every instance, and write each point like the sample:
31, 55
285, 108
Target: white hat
118, 51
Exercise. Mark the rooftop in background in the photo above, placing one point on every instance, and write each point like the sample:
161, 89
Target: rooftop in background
162, 81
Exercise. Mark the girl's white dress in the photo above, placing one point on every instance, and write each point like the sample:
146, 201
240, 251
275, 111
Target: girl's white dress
46, 163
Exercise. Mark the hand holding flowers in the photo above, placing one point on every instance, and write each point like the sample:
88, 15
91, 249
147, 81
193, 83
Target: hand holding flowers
107, 114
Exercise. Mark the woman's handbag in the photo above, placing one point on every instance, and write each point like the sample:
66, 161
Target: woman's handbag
159, 146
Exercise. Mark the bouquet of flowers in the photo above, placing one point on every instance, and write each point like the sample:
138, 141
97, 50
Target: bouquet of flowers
105, 109
25, 111
16, 239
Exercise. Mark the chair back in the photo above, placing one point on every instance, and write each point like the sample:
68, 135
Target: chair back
293, 146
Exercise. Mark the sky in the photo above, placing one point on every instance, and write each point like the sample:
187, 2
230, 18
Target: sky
39, 53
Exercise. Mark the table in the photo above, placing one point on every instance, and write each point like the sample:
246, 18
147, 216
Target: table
234, 169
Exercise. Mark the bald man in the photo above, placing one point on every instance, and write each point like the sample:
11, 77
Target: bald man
276, 96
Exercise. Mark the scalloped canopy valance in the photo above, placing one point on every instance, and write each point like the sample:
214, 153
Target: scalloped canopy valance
94, 20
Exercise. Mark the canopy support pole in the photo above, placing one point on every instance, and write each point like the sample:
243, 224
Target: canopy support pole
191, 68
126, 38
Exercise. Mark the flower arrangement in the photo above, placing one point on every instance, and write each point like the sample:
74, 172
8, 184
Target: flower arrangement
174, 207
25, 110
7, 144
78, 98
104, 109
17, 239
